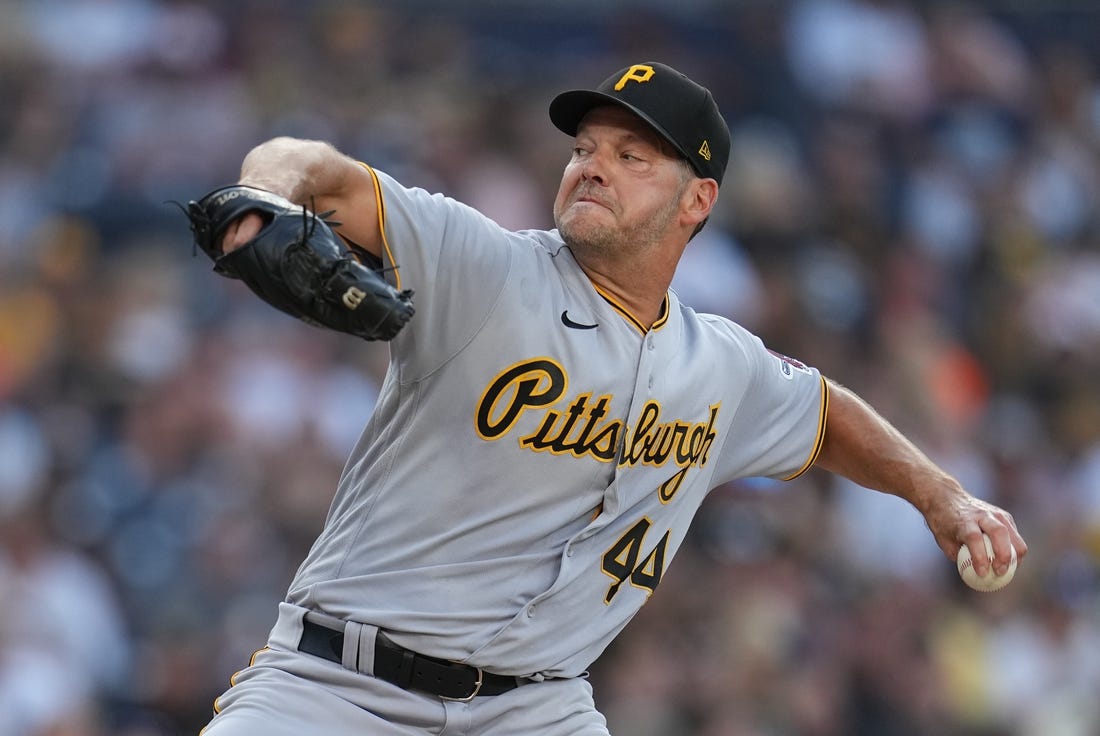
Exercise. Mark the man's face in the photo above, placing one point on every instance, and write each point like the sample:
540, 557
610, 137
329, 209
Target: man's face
620, 192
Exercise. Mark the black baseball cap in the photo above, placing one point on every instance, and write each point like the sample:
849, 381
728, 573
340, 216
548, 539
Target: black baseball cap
683, 112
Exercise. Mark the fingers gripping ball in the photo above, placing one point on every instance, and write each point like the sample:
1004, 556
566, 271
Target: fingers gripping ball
990, 581
297, 264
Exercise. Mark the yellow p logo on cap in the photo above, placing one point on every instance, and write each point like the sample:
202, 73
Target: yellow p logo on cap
638, 73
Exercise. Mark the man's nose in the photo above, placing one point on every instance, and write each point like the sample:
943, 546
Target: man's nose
594, 170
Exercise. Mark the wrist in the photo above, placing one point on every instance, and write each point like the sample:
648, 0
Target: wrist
936, 492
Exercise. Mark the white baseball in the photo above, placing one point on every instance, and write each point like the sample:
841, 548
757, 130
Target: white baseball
990, 581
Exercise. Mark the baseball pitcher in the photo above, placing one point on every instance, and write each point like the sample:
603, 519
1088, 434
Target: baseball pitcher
551, 420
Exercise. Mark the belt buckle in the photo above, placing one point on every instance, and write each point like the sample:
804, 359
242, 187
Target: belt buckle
472, 695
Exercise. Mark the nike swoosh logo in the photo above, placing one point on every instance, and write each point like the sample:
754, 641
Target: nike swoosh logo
575, 325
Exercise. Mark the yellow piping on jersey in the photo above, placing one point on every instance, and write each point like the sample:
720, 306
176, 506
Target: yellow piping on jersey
822, 418
381, 205
638, 324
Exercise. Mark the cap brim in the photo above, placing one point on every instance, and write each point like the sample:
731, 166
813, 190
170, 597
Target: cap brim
569, 108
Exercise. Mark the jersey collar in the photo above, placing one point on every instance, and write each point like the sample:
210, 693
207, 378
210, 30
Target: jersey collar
662, 319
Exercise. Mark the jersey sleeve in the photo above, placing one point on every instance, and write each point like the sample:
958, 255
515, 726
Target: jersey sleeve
779, 426
454, 258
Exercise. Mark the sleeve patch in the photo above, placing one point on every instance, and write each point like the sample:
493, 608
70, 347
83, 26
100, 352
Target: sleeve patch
788, 365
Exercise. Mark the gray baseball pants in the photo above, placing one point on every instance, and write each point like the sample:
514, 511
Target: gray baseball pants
284, 692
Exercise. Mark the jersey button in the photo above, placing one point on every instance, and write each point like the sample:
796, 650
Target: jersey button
531, 611
569, 550
650, 344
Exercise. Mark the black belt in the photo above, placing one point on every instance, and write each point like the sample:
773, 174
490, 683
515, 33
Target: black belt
408, 670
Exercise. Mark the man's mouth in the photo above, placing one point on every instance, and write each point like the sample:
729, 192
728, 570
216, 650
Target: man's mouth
589, 199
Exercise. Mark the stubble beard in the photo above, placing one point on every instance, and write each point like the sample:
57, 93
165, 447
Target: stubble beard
607, 242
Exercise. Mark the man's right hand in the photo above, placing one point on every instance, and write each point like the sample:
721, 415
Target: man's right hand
295, 262
315, 174
241, 231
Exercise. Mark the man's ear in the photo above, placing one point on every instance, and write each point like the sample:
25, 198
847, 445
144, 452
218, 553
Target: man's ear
700, 198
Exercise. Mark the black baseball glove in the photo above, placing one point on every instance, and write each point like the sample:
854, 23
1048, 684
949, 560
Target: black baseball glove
297, 264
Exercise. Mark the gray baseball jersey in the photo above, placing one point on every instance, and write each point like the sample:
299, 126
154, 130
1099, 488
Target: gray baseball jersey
536, 454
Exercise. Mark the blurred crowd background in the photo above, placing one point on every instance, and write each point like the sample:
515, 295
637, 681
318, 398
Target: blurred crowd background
911, 206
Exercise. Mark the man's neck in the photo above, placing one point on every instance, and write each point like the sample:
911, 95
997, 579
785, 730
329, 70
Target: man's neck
638, 288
